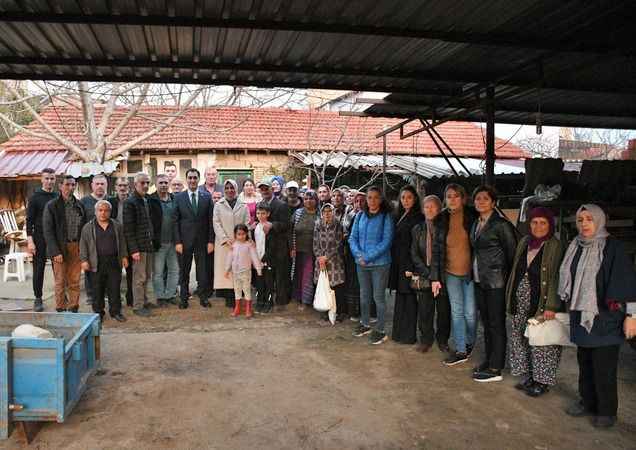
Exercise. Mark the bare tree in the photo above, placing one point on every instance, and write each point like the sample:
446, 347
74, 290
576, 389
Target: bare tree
540, 146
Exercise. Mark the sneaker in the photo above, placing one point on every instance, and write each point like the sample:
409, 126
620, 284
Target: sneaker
361, 330
373, 320
38, 306
151, 305
354, 319
455, 358
376, 338
143, 312
488, 376
119, 317
480, 368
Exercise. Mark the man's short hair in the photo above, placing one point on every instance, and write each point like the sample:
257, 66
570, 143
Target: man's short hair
67, 177
121, 180
140, 175
99, 176
193, 170
162, 175
103, 202
169, 164
48, 170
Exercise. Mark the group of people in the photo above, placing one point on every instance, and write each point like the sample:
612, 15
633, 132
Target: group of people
445, 261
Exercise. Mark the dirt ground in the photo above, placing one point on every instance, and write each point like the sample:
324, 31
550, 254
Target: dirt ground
199, 379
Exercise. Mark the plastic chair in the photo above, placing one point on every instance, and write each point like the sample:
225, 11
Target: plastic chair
10, 230
18, 259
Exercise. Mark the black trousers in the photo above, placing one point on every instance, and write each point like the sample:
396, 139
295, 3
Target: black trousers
342, 307
265, 287
203, 282
597, 378
107, 280
129, 284
39, 264
492, 310
89, 285
210, 272
427, 306
405, 318
282, 280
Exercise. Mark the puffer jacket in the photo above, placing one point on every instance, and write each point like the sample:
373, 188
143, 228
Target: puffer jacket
371, 238
494, 248
418, 251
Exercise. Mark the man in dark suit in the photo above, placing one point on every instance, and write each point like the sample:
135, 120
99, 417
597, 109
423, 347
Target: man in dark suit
194, 236
278, 225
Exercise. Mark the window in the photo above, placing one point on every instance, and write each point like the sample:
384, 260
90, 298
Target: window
134, 166
237, 175
184, 165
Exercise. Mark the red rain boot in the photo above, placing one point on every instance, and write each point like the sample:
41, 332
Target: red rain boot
237, 308
248, 308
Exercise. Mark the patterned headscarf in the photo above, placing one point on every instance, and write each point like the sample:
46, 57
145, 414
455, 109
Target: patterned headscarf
548, 215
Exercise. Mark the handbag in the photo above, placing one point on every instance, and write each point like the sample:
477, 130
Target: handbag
549, 332
325, 297
418, 283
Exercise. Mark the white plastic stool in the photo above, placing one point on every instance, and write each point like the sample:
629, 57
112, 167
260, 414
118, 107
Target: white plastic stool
18, 259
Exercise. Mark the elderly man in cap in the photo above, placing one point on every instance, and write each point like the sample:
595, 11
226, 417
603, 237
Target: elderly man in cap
278, 225
294, 202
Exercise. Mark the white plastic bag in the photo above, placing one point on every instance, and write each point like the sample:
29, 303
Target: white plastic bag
549, 332
325, 297
30, 331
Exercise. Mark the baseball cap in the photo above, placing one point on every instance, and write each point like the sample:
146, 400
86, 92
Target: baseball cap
291, 184
264, 183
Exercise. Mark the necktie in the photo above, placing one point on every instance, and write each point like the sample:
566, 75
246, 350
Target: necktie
194, 202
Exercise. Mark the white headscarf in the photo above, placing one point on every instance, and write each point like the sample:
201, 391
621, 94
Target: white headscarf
581, 292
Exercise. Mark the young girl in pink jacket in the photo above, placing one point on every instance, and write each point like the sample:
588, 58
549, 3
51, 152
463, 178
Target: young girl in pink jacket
240, 259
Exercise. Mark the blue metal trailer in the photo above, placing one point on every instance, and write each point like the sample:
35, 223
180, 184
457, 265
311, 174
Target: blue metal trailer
42, 379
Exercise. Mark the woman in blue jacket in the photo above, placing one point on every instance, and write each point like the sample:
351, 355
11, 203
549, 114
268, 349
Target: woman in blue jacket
370, 242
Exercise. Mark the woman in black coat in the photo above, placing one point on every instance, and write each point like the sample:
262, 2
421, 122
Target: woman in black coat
597, 281
405, 313
494, 243
429, 299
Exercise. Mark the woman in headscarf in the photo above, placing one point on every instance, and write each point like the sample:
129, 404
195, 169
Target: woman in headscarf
532, 292
303, 222
428, 300
277, 186
328, 240
597, 281
405, 312
228, 212
250, 197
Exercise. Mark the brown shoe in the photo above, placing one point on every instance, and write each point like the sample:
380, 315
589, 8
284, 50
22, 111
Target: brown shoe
423, 348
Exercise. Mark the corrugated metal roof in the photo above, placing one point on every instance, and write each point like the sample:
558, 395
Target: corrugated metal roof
31, 163
425, 166
552, 53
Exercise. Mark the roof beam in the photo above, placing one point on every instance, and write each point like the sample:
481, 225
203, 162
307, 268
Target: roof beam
458, 37
455, 81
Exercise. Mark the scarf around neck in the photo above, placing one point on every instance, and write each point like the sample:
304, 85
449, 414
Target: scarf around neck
581, 292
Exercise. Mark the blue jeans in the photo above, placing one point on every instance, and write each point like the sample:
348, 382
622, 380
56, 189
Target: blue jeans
461, 294
373, 283
165, 261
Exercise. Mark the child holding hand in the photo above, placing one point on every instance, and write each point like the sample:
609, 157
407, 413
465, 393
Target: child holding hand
240, 259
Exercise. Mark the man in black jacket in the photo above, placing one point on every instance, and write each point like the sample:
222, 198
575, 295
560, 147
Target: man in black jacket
142, 227
35, 234
278, 224
194, 236
63, 220
122, 189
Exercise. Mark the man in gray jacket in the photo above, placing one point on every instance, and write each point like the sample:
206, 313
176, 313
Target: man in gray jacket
103, 253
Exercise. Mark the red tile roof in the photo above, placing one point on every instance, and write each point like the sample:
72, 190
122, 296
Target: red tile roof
274, 129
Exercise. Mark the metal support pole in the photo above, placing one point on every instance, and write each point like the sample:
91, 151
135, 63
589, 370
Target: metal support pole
490, 135
384, 164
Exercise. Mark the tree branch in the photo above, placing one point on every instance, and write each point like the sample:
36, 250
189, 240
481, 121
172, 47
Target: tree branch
124, 148
74, 149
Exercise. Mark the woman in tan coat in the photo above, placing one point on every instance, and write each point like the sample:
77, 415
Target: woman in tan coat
228, 212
